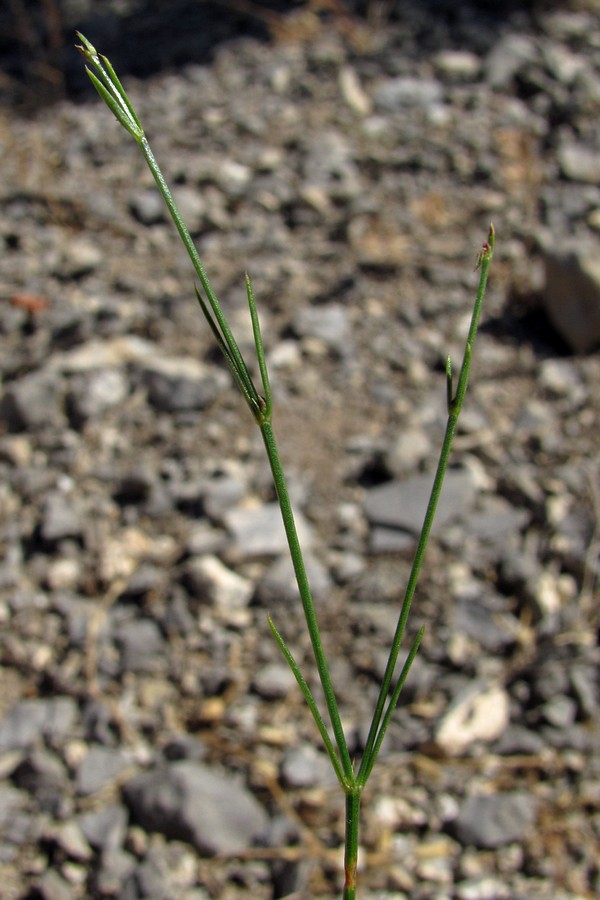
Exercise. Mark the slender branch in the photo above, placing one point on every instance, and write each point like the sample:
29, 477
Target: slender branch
372, 756
306, 598
455, 406
312, 704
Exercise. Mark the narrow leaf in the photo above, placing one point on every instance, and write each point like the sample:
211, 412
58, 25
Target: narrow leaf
311, 703
260, 349
110, 101
231, 362
121, 91
368, 762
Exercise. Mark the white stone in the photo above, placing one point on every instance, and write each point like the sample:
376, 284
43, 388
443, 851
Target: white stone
225, 589
478, 713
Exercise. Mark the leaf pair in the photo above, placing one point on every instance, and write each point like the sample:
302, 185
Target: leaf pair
110, 88
260, 406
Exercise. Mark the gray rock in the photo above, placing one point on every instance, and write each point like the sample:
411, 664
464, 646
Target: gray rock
496, 525
116, 865
509, 54
329, 170
222, 493
390, 540
584, 681
33, 401
258, 531
179, 385
142, 646
99, 767
19, 823
78, 614
168, 870
61, 517
483, 617
304, 767
185, 746
491, 821
560, 711
395, 94
274, 681
409, 448
323, 193
177, 618
571, 295
147, 580
33, 721
579, 163
71, 840
550, 679
232, 177
191, 802
402, 504
106, 354
79, 257
148, 207
105, 828
517, 740
279, 587
560, 377
98, 722
212, 582
329, 324
12, 802
577, 738
93, 394
204, 539
521, 575
52, 887
147, 880
45, 777
575, 523
191, 206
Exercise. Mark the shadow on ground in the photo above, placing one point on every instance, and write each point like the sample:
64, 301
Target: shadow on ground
38, 65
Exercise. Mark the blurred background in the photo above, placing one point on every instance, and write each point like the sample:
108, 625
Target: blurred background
351, 157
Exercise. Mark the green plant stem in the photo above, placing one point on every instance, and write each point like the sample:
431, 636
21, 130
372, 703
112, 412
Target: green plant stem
454, 403
351, 843
369, 756
183, 231
306, 597
113, 94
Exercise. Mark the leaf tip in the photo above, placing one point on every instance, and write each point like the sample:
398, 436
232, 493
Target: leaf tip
85, 48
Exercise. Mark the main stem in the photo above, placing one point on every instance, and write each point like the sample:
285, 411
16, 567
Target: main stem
306, 597
351, 844
176, 216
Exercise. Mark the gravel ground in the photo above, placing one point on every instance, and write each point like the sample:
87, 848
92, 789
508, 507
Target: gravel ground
152, 742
